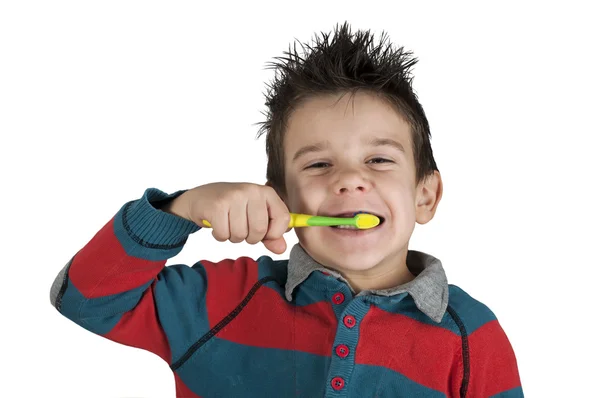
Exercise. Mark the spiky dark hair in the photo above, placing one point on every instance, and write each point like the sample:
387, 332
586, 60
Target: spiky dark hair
345, 63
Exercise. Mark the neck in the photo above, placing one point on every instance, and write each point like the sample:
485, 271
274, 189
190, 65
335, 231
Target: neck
379, 280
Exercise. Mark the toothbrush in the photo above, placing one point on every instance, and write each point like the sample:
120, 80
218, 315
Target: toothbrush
360, 221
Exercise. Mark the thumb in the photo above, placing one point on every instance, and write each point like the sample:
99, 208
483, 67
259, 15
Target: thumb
277, 246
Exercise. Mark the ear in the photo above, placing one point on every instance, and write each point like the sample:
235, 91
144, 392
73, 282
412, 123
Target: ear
428, 196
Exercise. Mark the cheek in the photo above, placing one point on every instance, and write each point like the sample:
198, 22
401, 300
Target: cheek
308, 201
305, 195
405, 210
400, 201
299, 199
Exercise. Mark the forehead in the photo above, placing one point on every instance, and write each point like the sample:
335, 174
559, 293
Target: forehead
344, 120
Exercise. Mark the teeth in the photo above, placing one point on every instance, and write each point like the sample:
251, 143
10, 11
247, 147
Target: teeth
346, 227
349, 215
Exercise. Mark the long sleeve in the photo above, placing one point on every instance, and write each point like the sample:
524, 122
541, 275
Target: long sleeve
117, 285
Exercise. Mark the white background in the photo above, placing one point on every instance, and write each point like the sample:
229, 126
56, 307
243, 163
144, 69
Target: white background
101, 100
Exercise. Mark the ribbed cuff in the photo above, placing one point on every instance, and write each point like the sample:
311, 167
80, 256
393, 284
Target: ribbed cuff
153, 227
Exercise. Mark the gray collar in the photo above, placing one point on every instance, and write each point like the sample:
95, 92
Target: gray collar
429, 289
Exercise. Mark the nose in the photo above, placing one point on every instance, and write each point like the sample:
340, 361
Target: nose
351, 181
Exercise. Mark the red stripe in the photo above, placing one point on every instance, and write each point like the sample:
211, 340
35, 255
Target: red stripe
141, 328
102, 267
182, 390
493, 363
228, 283
426, 354
269, 321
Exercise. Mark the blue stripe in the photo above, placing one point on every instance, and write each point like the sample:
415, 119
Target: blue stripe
273, 268
133, 247
148, 233
180, 295
305, 296
269, 267
99, 315
473, 313
221, 368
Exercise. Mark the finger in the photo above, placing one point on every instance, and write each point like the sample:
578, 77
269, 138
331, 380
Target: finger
238, 221
279, 216
277, 246
258, 220
220, 224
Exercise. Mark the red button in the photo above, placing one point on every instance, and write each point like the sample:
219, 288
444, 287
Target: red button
337, 383
342, 350
338, 298
349, 321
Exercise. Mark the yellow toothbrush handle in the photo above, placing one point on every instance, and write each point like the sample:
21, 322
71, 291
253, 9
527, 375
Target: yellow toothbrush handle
296, 220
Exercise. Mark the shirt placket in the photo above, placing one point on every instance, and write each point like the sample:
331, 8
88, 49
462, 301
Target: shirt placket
349, 312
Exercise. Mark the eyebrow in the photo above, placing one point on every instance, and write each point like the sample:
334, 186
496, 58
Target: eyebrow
321, 146
387, 142
318, 147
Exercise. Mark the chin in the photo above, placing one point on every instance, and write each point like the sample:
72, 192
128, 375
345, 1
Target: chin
352, 266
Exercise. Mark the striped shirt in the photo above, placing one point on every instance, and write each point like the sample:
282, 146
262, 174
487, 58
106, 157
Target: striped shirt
280, 328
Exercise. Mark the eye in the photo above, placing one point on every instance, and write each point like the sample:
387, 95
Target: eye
318, 165
380, 160
321, 165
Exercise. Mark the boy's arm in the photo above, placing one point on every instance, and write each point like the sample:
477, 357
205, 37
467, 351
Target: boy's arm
493, 365
117, 285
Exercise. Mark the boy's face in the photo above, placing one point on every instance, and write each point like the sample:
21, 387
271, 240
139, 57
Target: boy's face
344, 155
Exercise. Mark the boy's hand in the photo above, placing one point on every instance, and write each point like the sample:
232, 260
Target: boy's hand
236, 212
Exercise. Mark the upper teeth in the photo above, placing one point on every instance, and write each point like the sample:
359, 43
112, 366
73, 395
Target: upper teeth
346, 226
351, 214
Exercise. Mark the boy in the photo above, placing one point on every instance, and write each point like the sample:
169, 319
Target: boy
352, 313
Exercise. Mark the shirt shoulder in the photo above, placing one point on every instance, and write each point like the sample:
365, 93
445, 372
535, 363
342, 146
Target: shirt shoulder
490, 364
468, 312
